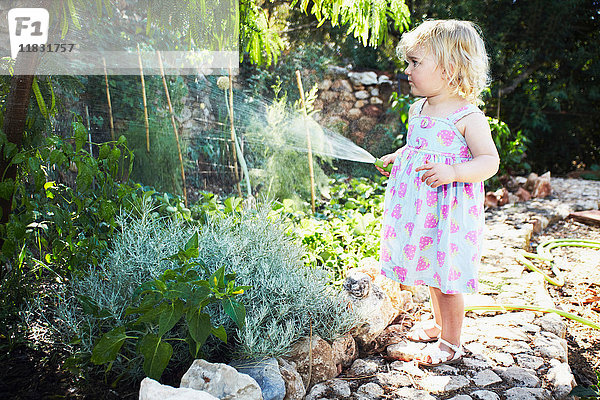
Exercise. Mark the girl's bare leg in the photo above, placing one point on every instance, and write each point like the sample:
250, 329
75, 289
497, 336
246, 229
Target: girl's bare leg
451, 308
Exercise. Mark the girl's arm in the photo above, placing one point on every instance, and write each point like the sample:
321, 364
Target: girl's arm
485, 160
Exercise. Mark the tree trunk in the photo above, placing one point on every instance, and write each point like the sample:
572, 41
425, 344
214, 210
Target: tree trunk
15, 115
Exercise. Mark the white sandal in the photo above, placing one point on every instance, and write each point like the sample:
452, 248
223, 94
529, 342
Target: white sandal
439, 356
419, 335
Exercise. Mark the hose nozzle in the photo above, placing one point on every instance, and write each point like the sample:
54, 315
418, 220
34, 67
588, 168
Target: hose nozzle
379, 163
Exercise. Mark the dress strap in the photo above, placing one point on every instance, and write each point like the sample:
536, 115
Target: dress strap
463, 112
420, 105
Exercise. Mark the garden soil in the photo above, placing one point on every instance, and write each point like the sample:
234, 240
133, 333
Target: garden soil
28, 373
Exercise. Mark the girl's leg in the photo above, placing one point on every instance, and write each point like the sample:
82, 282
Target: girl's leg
452, 310
431, 329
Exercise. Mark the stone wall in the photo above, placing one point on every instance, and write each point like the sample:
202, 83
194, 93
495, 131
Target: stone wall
352, 103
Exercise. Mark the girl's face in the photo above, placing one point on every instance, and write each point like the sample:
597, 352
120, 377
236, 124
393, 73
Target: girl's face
426, 79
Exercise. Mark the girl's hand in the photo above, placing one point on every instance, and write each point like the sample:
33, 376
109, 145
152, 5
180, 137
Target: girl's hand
387, 159
437, 174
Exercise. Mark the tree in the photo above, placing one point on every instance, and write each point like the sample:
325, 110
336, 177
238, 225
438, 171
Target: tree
545, 65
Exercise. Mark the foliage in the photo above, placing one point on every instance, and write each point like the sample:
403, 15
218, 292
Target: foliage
163, 303
277, 146
71, 223
587, 392
544, 62
285, 298
346, 228
400, 104
511, 148
159, 167
368, 21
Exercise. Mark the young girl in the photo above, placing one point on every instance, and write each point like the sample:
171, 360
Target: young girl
433, 210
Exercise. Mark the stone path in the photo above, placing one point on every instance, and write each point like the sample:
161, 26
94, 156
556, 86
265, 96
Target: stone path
513, 355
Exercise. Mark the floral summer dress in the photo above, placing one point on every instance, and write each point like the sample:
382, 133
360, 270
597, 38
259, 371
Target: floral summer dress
432, 236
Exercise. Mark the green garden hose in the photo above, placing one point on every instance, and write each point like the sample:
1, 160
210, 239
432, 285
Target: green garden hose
543, 254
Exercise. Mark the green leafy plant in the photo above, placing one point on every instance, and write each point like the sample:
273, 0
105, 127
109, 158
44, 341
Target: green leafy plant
177, 294
511, 147
346, 228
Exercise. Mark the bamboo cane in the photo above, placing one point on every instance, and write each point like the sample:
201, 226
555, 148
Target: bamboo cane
310, 159
144, 100
112, 125
232, 128
236, 142
162, 73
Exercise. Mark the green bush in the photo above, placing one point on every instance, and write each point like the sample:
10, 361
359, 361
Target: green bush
284, 299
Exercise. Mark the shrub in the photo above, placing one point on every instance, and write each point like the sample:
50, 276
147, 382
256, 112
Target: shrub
284, 300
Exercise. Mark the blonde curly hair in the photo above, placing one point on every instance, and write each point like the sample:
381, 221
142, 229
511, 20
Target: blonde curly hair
458, 48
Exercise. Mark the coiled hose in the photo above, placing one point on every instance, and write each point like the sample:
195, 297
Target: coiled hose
543, 254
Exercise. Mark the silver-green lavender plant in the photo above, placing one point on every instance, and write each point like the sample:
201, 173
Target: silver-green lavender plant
286, 299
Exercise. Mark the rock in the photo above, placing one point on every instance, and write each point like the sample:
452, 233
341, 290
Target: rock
549, 345
407, 367
523, 194
405, 351
519, 393
539, 223
329, 96
441, 384
373, 306
553, 323
325, 84
409, 393
530, 182
542, 187
374, 92
363, 367
486, 377
266, 373
348, 97
363, 78
365, 124
335, 388
375, 100
383, 79
491, 200
517, 346
344, 350
323, 364
152, 390
354, 114
391, 335
221, 381
461, 397
372, 110
294, 387
360, 103
400, 297
362, 95
393, 379
529, 361
561, 378
341, 85
370, 390
485, 395
518, 376
502, 358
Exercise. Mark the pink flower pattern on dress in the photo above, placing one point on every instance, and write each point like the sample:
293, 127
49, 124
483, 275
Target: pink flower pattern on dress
447, 257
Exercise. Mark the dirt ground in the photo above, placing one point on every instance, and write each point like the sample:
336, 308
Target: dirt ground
580, 295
